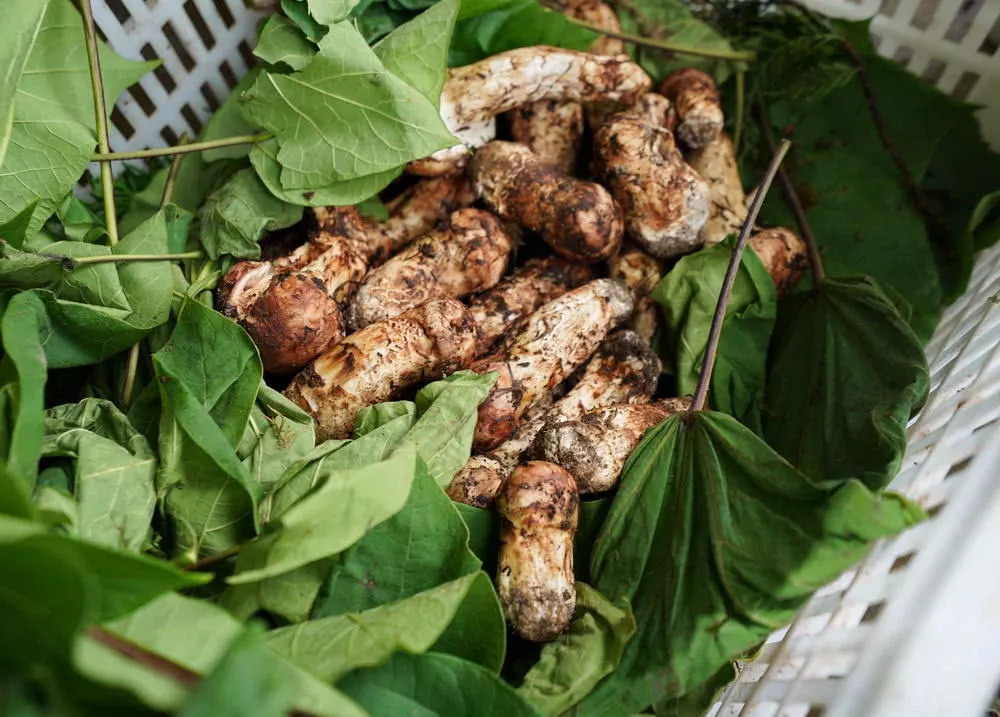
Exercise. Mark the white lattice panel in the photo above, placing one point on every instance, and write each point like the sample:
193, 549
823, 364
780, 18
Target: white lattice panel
204, 47
953, 44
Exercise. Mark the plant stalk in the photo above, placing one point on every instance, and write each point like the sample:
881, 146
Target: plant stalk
129, 258
175, 168
715, 332
106, 156
741, 95
792, 198
101, 121
665, 45
210, 560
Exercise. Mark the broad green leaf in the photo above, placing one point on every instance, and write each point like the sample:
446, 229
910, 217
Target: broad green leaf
477, 631
845, 373
484, 534
328, 12
417, 52
522, 23
27, 269
216, 632
687, 296
244, 682
330, 456
371, 417
289, 597
344, 506
97, 311
23, 372
344, 116
856, 201
264, 158
298, 12
48, 130
208, 375
77, 222
716, 541
14, 499
448, 411
19, 35
331, 647
236, 215
571, 665
674, 21
591, 518
434, 684
277, 435
281, 42
423, 545
55, 585
114, 471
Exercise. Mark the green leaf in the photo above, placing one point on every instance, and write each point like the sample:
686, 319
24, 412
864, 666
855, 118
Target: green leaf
96, 311
417, 52
423, 545
344, 116
687, 296
591, 518
243, 682
47, 125
298, 12
570, 667
216, 631
114, 471
328, 12
78, 223
277, 435
674, 21
434, 684
856, 201
477, 631
845, 373
344, 506
484, 533
236, 215
54, 585
448, 412
522, 23
264, 157
330, 457
281, 42
716, 541
208, 375
331, 647
23, 373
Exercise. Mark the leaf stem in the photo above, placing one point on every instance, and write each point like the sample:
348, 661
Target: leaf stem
210, 560
190, 148
130, 258
792, 198
715, 332
741, 95
131, 367
137, 653
157, 663
175, 167
665, 45
101, 120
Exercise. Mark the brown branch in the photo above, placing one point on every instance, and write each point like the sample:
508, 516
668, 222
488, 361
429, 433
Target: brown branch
715, 331
792, 198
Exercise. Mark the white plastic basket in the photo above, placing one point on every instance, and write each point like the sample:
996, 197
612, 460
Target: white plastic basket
912, 631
